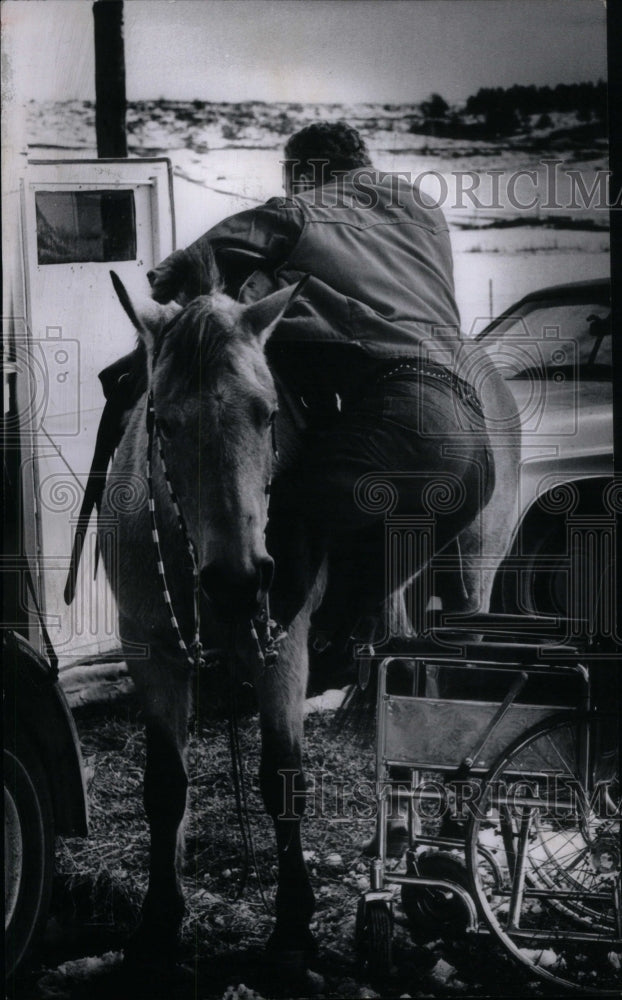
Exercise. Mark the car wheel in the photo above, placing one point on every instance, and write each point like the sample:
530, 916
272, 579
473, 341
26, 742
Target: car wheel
28, 852
545, 591
544, 583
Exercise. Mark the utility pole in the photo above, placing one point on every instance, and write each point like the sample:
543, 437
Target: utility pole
110, 102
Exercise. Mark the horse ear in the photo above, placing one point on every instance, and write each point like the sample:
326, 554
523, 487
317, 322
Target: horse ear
263, 317
146, 315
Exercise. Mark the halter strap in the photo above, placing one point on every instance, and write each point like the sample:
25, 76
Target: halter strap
194, 654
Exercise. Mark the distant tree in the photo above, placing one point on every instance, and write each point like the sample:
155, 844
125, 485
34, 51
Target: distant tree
599, 105
500, 120
283, 124
435, 107
504, 110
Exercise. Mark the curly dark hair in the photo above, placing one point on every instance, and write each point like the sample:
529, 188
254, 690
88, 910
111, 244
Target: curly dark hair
336, 146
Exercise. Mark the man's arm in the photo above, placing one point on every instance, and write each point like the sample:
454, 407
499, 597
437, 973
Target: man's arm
259, 238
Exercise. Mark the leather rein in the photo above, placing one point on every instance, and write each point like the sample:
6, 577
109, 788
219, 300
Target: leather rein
266, 633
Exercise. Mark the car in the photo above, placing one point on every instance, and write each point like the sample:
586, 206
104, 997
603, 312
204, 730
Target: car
44, 791
44, 787
554, 348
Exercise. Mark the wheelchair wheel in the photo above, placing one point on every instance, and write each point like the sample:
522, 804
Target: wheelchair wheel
543, 852
374, 936
359, 929
434, 910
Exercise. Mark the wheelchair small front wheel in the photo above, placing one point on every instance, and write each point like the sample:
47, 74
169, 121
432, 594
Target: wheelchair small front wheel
374, 936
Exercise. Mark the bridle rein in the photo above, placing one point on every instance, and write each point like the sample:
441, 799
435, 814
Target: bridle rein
266, 633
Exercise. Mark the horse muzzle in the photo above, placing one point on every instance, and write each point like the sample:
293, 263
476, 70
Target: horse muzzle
237, 595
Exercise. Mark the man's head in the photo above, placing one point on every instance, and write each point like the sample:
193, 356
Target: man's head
316, 153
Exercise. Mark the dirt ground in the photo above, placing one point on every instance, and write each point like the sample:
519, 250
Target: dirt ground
100, 881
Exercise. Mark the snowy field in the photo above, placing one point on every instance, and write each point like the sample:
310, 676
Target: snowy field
226, 158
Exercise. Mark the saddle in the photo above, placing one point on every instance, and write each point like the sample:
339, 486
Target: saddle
123, 383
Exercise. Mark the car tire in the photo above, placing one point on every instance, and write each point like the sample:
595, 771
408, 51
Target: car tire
547, 552
28, 853
540, 591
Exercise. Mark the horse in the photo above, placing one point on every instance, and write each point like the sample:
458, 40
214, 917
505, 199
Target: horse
190, 568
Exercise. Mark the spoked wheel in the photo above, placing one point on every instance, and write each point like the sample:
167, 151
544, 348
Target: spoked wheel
544, 856
374, 936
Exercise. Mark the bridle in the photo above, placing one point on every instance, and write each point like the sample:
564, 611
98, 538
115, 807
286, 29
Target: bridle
194, 653
266, 633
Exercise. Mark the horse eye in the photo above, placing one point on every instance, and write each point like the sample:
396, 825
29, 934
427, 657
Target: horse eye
165, 427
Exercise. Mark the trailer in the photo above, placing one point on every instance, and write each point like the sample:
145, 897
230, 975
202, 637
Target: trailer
71, 222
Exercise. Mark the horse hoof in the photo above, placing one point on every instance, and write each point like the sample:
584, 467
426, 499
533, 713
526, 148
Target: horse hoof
289, 976
303, 944
151, 950
153, 980
289, 962
313, 984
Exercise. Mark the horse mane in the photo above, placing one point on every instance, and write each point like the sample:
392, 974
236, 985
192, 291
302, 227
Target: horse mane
199, 337
201, 334
200, 274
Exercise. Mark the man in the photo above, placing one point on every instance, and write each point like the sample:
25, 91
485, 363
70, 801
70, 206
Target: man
372, 347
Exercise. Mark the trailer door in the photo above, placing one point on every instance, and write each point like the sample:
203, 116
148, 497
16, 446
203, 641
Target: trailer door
81, 219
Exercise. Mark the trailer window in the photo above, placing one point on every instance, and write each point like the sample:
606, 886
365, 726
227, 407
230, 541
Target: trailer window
78, 226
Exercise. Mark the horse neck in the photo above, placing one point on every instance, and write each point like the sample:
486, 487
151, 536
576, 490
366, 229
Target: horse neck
291, 423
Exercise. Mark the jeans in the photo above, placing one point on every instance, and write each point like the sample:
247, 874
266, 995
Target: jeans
409, 450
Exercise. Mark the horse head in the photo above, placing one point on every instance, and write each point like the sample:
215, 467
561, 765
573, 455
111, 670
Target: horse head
215, 404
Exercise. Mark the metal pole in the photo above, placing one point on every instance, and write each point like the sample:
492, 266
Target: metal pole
614, 26
110, 102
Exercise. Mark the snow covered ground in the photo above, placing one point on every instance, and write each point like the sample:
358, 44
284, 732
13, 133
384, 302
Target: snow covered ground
227, 158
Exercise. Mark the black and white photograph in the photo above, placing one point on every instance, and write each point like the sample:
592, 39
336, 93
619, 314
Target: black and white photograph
311, 521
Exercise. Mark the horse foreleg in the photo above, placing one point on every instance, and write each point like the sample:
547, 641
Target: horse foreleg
166, 701
281, 690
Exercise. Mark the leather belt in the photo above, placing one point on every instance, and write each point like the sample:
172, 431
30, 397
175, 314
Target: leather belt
436, 373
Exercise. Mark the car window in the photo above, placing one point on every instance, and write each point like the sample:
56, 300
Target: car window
552, 337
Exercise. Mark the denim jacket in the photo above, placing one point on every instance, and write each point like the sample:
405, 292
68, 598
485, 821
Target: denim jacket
379, 256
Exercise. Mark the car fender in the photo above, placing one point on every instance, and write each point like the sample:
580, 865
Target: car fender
36, 708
